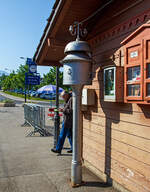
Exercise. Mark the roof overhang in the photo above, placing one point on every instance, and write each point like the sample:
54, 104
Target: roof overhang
56, 34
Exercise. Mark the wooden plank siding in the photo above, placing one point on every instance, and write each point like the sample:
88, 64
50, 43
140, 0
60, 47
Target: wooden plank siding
120, 168
116, 136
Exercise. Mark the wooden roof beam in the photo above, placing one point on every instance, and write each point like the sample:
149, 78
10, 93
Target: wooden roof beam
50, 43
50, 63
55, 43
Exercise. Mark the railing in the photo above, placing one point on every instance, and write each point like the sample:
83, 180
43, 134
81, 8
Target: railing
34, 116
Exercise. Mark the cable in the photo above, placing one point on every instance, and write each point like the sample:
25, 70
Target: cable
96, 12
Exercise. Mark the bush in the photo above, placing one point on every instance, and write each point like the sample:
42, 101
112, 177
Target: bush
8, 101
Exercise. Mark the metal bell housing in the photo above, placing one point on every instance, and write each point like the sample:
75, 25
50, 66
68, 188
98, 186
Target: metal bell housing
77, 63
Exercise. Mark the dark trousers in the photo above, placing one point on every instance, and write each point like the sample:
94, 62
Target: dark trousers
64, 132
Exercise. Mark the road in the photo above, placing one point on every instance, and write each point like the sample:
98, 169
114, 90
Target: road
21, 100
2, 98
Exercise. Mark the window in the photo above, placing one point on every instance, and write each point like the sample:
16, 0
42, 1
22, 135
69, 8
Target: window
148, 70
110, 82
148, 89
134, 74
113, 84
133, 90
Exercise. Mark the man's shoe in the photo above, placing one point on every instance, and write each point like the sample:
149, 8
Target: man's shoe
55, 151
69, 151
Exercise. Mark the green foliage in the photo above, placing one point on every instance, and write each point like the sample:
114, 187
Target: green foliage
2, 78
50, 78
9, 81
17, 80
21, 76
8, 101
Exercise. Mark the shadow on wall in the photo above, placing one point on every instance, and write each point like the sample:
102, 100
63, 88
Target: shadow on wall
111, 114
112, 111
146, 110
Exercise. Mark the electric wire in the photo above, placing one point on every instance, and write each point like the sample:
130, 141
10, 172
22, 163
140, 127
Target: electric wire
95, 13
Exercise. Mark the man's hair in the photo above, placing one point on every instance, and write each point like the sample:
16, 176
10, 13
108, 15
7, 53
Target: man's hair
64, 93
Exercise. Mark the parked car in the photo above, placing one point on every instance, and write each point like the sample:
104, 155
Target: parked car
19, 91
50, 96
33, 93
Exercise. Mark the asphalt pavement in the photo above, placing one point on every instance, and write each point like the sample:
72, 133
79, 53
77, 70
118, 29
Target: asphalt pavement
28, 165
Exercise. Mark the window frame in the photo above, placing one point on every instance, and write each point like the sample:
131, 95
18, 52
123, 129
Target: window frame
110, 97
146, 61
134, 64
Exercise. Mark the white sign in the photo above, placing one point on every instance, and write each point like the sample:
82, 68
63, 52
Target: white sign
134, 54
33, 68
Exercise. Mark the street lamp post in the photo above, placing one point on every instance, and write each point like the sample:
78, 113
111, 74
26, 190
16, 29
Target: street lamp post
56, 117
25, 92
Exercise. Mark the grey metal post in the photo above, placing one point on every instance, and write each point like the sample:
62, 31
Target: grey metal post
77, 64
25, 94
56, 117
76, 171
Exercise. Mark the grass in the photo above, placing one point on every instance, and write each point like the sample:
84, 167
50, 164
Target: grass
14, 94
7, 101
31, 98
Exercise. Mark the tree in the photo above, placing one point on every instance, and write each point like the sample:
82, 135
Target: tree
50, 78
2, 78
17, 80
21, 76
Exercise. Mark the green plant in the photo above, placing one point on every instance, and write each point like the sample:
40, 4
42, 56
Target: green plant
8, 101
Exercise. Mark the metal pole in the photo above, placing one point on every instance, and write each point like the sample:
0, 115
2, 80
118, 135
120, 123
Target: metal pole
76, 171
56, 117
28, 92
25, 95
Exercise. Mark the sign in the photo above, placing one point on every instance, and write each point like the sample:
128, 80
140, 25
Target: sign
32, 68
31, 79
134, 54
32, 65
29, 61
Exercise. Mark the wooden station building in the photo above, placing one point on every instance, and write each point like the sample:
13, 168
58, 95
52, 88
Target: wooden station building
116, 130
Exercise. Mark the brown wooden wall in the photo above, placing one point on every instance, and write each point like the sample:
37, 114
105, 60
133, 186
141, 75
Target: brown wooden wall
116, 136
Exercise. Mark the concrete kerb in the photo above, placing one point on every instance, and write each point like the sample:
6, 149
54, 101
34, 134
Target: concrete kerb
7, 104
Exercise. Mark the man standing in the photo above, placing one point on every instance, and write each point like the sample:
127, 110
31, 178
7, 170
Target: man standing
66, 129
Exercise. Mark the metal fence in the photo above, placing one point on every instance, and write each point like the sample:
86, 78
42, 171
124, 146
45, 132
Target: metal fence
34, 115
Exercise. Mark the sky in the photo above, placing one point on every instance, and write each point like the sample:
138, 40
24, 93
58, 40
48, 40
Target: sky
21, 26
